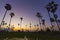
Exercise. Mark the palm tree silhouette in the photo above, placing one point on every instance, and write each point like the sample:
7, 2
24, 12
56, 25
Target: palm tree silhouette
43, 22
48, 9
7, 7
18, 24
30, 26
37, 27
26, 26
53, 8
11, 14
21, 18
40, 18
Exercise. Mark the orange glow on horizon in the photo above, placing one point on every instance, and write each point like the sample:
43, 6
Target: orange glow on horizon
24, 28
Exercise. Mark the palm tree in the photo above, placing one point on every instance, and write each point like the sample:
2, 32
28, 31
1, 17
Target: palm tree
30, 26
12, 28
26, 27
37, 27
40, 17
7, 7
18, 24
48, 9
11, 14
43, 22
21, 18
53, 10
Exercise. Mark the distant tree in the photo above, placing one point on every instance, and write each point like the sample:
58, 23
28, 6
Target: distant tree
18, 24
12, 28
26, 27
7, 7
21, 18
43, 23
11, 14
30, 26
40, 18
37, 25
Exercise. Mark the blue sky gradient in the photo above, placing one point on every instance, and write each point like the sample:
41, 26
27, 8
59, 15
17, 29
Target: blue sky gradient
27, 9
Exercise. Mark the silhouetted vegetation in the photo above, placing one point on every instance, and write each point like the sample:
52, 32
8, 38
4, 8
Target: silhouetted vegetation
48, 33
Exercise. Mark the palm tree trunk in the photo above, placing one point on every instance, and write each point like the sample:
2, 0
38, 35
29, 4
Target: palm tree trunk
30, 29
56, 21
44, 26
39, 23
49, 18
20, 24
10, 22
3, 17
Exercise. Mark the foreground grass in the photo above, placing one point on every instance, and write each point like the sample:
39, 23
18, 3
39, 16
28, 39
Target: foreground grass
31, 35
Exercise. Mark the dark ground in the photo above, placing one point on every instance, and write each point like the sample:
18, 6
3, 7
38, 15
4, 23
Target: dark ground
31, 35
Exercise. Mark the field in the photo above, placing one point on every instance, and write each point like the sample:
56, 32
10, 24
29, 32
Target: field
31, 35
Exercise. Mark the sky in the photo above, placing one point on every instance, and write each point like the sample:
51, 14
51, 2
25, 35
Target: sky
26, 9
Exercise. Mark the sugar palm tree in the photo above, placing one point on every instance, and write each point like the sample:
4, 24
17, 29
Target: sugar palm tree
40, 18
11, 14
48, 9
37, 27
26, 26
43, 22
30, 26
18, 24
21, 18
7, 7
53, 10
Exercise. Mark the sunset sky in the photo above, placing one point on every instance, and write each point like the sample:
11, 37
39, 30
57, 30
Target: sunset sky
26, 9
